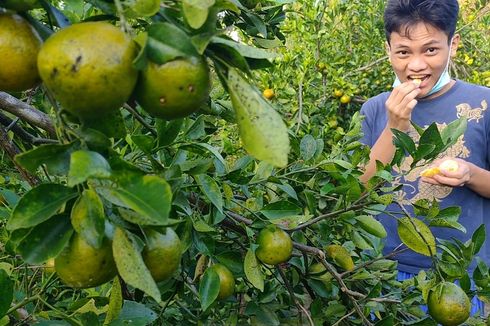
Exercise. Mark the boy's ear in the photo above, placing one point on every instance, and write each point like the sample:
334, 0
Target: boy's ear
454, 44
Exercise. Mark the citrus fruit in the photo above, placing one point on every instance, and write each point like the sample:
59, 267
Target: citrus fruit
19, 46
162, 253
275, 245
430, 172
174, 89
20, 5
449, 165
80, 265
345, 99
268, 93
88, 68
340, 256
141, 8
338, 93
226, 281
448, 304
49, 266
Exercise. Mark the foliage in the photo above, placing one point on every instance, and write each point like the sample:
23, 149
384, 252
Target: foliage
219, 176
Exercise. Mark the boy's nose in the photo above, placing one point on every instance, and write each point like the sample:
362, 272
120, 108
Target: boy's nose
417, 63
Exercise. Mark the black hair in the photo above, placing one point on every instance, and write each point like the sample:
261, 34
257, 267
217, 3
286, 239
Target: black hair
403, 14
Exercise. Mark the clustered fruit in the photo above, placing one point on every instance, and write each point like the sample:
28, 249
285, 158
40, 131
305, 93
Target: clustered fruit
88, 67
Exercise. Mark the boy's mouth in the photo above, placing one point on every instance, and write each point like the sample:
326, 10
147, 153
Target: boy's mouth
418, 79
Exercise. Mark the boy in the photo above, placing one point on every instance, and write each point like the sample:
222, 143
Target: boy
421, 40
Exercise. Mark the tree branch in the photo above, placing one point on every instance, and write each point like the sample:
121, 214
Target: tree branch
22, 133
11, 150
26, 112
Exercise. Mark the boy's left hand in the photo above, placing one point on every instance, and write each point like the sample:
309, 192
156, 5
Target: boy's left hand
457, 178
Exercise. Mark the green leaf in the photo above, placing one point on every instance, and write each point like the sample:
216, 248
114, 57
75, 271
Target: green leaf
307, 147
478, 238
201, 148
39, 204
431, 136
196, 11
417, 236
211, 189
454, 130
262, 131
144, 142
131, 266
405, 141
281, 209
55, 156
87, 217
209, 288
111, 124
167, 42
135, 314
7, 291
168, 131
252, 270
115, 302
440, 222
244, 50
46, 240
149, 195
85, 165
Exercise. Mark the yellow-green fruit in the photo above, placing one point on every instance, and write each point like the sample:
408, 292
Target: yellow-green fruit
174, 89
80, 265
275, 245
88, 68
20, 5
448, 304
19, 46
226, 281
162, 253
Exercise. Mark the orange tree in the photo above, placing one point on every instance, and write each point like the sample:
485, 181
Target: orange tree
150, 169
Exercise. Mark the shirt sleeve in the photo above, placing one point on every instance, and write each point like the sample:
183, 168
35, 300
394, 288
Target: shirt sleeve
367, 111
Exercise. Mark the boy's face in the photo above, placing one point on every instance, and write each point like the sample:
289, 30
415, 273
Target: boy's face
422, 55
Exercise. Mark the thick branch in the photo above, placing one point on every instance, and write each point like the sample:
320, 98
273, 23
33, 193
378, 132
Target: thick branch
26, 112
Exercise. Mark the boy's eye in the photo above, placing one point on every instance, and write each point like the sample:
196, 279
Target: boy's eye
431, 50
403, 52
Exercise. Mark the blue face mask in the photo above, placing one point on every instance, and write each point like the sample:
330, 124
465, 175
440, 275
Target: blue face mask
443, 80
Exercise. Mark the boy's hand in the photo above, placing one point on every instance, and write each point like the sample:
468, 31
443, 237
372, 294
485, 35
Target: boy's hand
400, 104
448, 177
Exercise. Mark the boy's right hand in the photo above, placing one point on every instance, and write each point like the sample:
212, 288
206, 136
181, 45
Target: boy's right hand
400, 104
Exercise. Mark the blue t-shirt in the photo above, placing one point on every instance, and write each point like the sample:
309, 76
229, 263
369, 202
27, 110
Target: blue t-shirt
463, 99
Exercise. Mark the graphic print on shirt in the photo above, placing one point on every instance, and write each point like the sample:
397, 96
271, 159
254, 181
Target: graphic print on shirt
414, 189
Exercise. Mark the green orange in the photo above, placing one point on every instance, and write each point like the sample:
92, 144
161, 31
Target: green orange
80, 265
275, 245
448, 304
162, 253
226, 280
174, 89
19, 47
88, 68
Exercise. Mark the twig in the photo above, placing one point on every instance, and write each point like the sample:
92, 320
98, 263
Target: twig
239, 218
22, 133
293, 296
344, 317
140, 119
26, 112
11, 151
363, 265
328, 215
